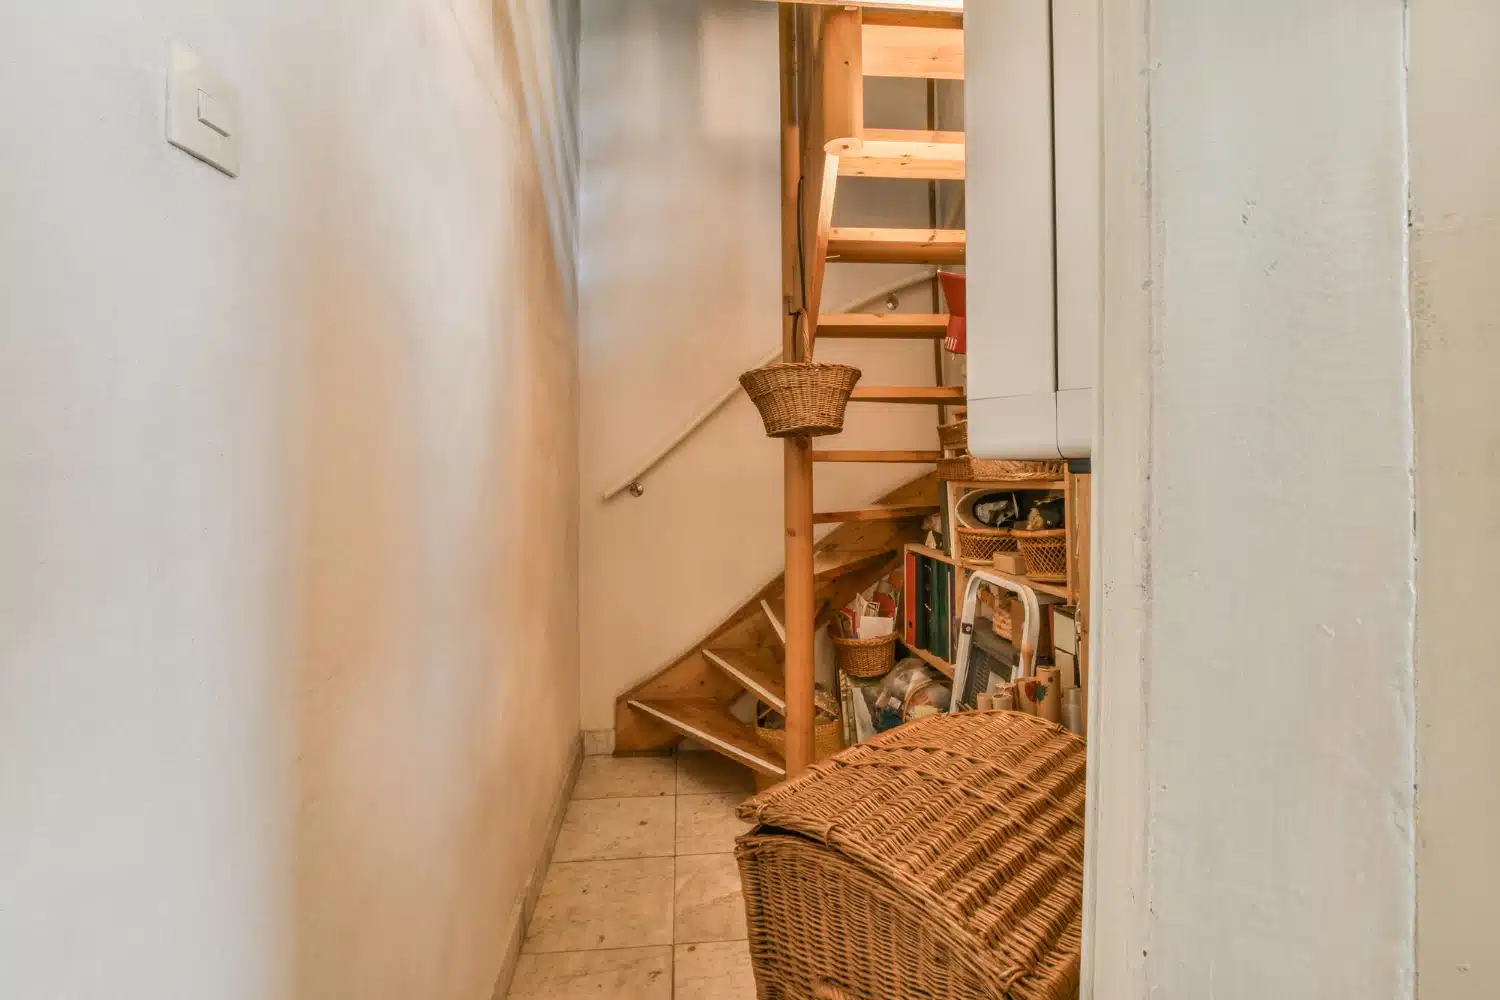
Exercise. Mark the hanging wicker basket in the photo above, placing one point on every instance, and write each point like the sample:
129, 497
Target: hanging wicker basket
801, 398
954, 436
967, 469
982, 543
1045, 554
865, 657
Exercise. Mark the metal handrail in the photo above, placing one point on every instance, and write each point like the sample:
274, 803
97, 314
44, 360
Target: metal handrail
632, 483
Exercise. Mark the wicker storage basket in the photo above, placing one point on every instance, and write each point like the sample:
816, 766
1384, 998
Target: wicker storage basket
801, 398
966, 469
1045, 553
942, 860
865, 657
982, 543
954, 436
828, 734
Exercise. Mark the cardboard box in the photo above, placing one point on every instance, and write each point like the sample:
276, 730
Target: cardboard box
1010, 562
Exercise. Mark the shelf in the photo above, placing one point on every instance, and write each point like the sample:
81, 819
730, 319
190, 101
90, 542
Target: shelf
1002, 486
1050, 589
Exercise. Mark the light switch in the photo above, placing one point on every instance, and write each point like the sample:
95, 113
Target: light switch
213, 113
202, 112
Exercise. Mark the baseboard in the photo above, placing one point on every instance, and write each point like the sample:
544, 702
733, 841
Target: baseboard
521, 912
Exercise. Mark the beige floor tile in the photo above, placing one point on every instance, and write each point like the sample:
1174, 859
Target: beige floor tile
709, 906
610, 829
628, 974
716, 971
590, 905
598, 741
625, 777
711, 774
706, 824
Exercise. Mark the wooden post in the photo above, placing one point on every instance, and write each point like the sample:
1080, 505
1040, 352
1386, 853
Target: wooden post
800, 668
840, 101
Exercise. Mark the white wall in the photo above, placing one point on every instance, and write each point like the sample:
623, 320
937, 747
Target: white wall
681, 292
1455, 126
1254, 717
287, 494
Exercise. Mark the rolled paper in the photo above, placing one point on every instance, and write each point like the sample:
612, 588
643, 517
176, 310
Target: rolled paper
986, 703
1049, 694
1027, 695
1004, 699
1073, 711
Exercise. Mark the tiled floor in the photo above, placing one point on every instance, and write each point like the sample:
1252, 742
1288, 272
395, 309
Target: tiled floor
642, 900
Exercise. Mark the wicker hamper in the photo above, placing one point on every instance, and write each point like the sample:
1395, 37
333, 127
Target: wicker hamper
942, 860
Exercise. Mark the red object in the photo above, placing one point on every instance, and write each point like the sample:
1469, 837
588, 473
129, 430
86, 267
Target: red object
957, 340
911, 601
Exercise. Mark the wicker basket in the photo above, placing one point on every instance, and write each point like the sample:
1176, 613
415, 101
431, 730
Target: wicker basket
803, 398
942, 859
967, 469
828, 733
981, 544
865, 657
954, 436
1045, 553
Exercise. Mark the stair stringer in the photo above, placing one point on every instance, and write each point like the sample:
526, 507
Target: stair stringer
847, 560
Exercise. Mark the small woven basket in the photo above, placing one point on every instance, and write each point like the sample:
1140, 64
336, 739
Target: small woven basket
967, 469
801, 398
1045, 553
983, 543
865, 657
828, 734
954, 436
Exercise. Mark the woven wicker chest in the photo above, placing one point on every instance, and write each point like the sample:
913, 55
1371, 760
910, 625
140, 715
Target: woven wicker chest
943, 859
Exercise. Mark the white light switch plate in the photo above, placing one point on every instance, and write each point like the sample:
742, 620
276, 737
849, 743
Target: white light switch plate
203, 112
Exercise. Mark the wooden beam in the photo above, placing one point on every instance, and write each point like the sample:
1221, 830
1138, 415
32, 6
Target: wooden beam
941, 395
884, 326
921, 53
912, 135
859, 245
800, 610
895, 457
929, 161
878, 513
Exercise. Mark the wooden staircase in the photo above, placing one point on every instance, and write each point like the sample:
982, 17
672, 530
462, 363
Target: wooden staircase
696, 695
764, 649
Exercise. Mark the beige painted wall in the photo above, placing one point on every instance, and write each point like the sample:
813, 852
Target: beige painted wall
288, 479
680, 293
1455, 142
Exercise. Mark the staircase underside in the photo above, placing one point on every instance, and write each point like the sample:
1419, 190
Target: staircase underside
692, 695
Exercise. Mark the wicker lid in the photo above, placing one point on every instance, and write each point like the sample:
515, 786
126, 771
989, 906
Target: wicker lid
978, 819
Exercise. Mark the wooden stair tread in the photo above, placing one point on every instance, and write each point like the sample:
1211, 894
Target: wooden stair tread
900, 512
829, 566
912, 457
912, 51
855, 245
883, 326
712, 725
947, 395
757, 670
933, 161
776, 616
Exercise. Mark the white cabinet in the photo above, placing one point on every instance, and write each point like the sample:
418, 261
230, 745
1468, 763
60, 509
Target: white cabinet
1033, 216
